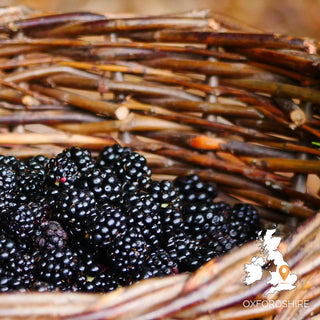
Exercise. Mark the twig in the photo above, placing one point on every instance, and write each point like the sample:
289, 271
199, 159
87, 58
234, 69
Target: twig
96, 106
205, 67
120, 25
233, 39
211, 125
212, 108
133, 122
285, 165
272, 202
37, 96
205, 142
59, 138
297, 116
47, 117
276, 89
53, 20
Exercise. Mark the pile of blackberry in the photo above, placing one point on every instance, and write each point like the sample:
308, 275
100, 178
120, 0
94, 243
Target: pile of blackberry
82, 223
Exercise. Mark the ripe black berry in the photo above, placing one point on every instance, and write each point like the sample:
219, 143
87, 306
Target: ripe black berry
103, 228
58, 267
128, 254
192, 189
62, 171
133, 167
110, 155
50, 235
73, 209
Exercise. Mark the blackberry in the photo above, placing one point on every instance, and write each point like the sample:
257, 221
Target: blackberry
143, 211
110, 155
7, 248
221, 245
73, 209
17, 273
171, 219
58, 267
8, 201
192, 189
161, 264
82, 158
30, 178
163, 192
244, 223
103, 228
7, 179
39, 160
20, 222
16, 267
185, 251
50, 198
128, 254
104, 282
87, 264
9, 161
41, 286
62, 171
50, 235
202, 220
104, 184
133, 167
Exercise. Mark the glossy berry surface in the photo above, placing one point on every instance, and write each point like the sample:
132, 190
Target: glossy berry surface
78, 222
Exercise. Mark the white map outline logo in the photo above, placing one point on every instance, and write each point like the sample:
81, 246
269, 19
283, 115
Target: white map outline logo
281, 279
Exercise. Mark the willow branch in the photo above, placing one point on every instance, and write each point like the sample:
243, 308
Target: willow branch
133, 122
285, 165
211, 125
273, 203
233, 39
276, 89
123, 25
47, 117
212, 108
53, 20
204, 67
58, 138
204, 142
96, 106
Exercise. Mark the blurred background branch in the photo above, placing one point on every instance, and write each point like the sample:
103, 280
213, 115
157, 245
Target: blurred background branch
299, 17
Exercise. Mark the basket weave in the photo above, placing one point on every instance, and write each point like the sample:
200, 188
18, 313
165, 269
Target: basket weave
196, 92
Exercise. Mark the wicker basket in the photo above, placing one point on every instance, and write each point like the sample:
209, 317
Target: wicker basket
195, 92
